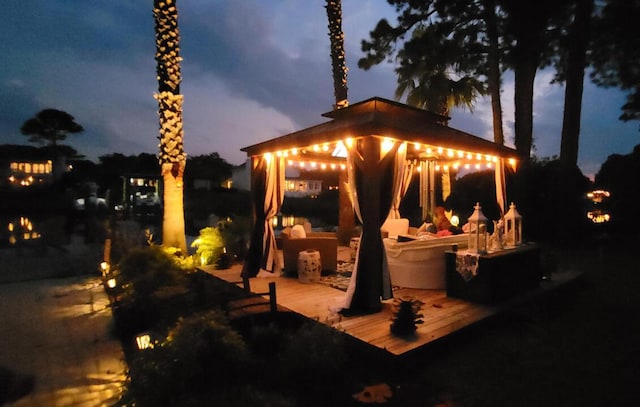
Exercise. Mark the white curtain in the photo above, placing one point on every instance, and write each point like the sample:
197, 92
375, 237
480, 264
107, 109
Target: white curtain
274, 195
267, 194
402, 180
501, 187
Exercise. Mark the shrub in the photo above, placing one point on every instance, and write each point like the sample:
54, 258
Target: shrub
145, 269
201, 355
209, 245
313, 355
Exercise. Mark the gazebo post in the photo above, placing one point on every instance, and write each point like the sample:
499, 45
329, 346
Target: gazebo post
346, 217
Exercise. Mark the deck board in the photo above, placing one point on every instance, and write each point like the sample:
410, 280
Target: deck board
443, 315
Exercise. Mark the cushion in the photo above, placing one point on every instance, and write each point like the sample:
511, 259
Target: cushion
395, 227
298, 232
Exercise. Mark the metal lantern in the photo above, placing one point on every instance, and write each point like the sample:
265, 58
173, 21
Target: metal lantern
513, 226
477, 231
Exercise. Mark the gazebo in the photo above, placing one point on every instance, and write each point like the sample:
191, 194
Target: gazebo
379, 143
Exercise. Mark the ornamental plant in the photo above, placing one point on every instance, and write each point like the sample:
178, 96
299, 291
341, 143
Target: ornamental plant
406, 315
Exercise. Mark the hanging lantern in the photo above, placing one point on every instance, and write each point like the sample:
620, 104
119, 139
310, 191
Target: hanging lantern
477, 231
513, 226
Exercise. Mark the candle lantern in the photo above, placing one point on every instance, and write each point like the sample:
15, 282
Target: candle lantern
477, 231
513, 226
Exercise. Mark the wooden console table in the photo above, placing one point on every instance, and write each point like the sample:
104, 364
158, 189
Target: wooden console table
499, 275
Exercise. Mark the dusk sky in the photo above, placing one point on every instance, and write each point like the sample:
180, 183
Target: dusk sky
252, 70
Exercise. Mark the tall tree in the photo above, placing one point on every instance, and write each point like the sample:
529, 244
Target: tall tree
474, 30
615, 54
338, 60
172, 156
346, 217
530, 28
51, 126
444, 62
577, 44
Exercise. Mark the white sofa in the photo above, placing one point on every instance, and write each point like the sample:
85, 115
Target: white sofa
421, 263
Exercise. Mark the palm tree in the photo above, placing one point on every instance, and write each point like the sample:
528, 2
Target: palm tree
346, 218
171, 156
51, 126
438, 92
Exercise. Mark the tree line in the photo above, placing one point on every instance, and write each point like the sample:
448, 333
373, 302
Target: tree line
449, 52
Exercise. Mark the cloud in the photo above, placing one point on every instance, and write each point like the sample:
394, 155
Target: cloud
252, 70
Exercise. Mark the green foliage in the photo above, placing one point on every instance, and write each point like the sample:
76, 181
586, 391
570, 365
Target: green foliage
312, 354
145, 269
201, 354
209, 245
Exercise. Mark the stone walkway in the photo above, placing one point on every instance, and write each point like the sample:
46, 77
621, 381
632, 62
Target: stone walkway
59, 331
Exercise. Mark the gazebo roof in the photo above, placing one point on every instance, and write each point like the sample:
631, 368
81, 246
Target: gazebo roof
381, 117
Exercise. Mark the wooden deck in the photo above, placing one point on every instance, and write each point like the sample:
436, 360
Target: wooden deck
443, 315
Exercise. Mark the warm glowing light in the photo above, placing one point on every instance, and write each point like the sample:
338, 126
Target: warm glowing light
111, 283
349, 142
477, 166
333, 166
323, 166
343, 166
104, 266
314, 164
489, 165
460, 154
290, 162
144, 341
598, 195
437, 167
316, 148
429, 150
598, 216
325, 147
440, 150
449, 153
416, 146
294, 151
469, 156
278, 153
386, 145
456, 166
455, 220
512, 162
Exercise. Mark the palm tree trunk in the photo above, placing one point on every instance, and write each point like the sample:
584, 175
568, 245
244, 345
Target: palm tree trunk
172, 156
576, 63
346, 217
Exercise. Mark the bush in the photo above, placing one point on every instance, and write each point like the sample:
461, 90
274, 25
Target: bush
201, 354
209, 245
146, 269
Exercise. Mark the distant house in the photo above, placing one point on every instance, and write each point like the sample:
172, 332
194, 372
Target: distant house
300, 187
241, 176
23, 166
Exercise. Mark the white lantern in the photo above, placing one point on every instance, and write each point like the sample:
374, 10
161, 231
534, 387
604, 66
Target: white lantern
477, 231
513, 226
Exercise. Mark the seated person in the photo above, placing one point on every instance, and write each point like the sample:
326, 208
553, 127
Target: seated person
441, 226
